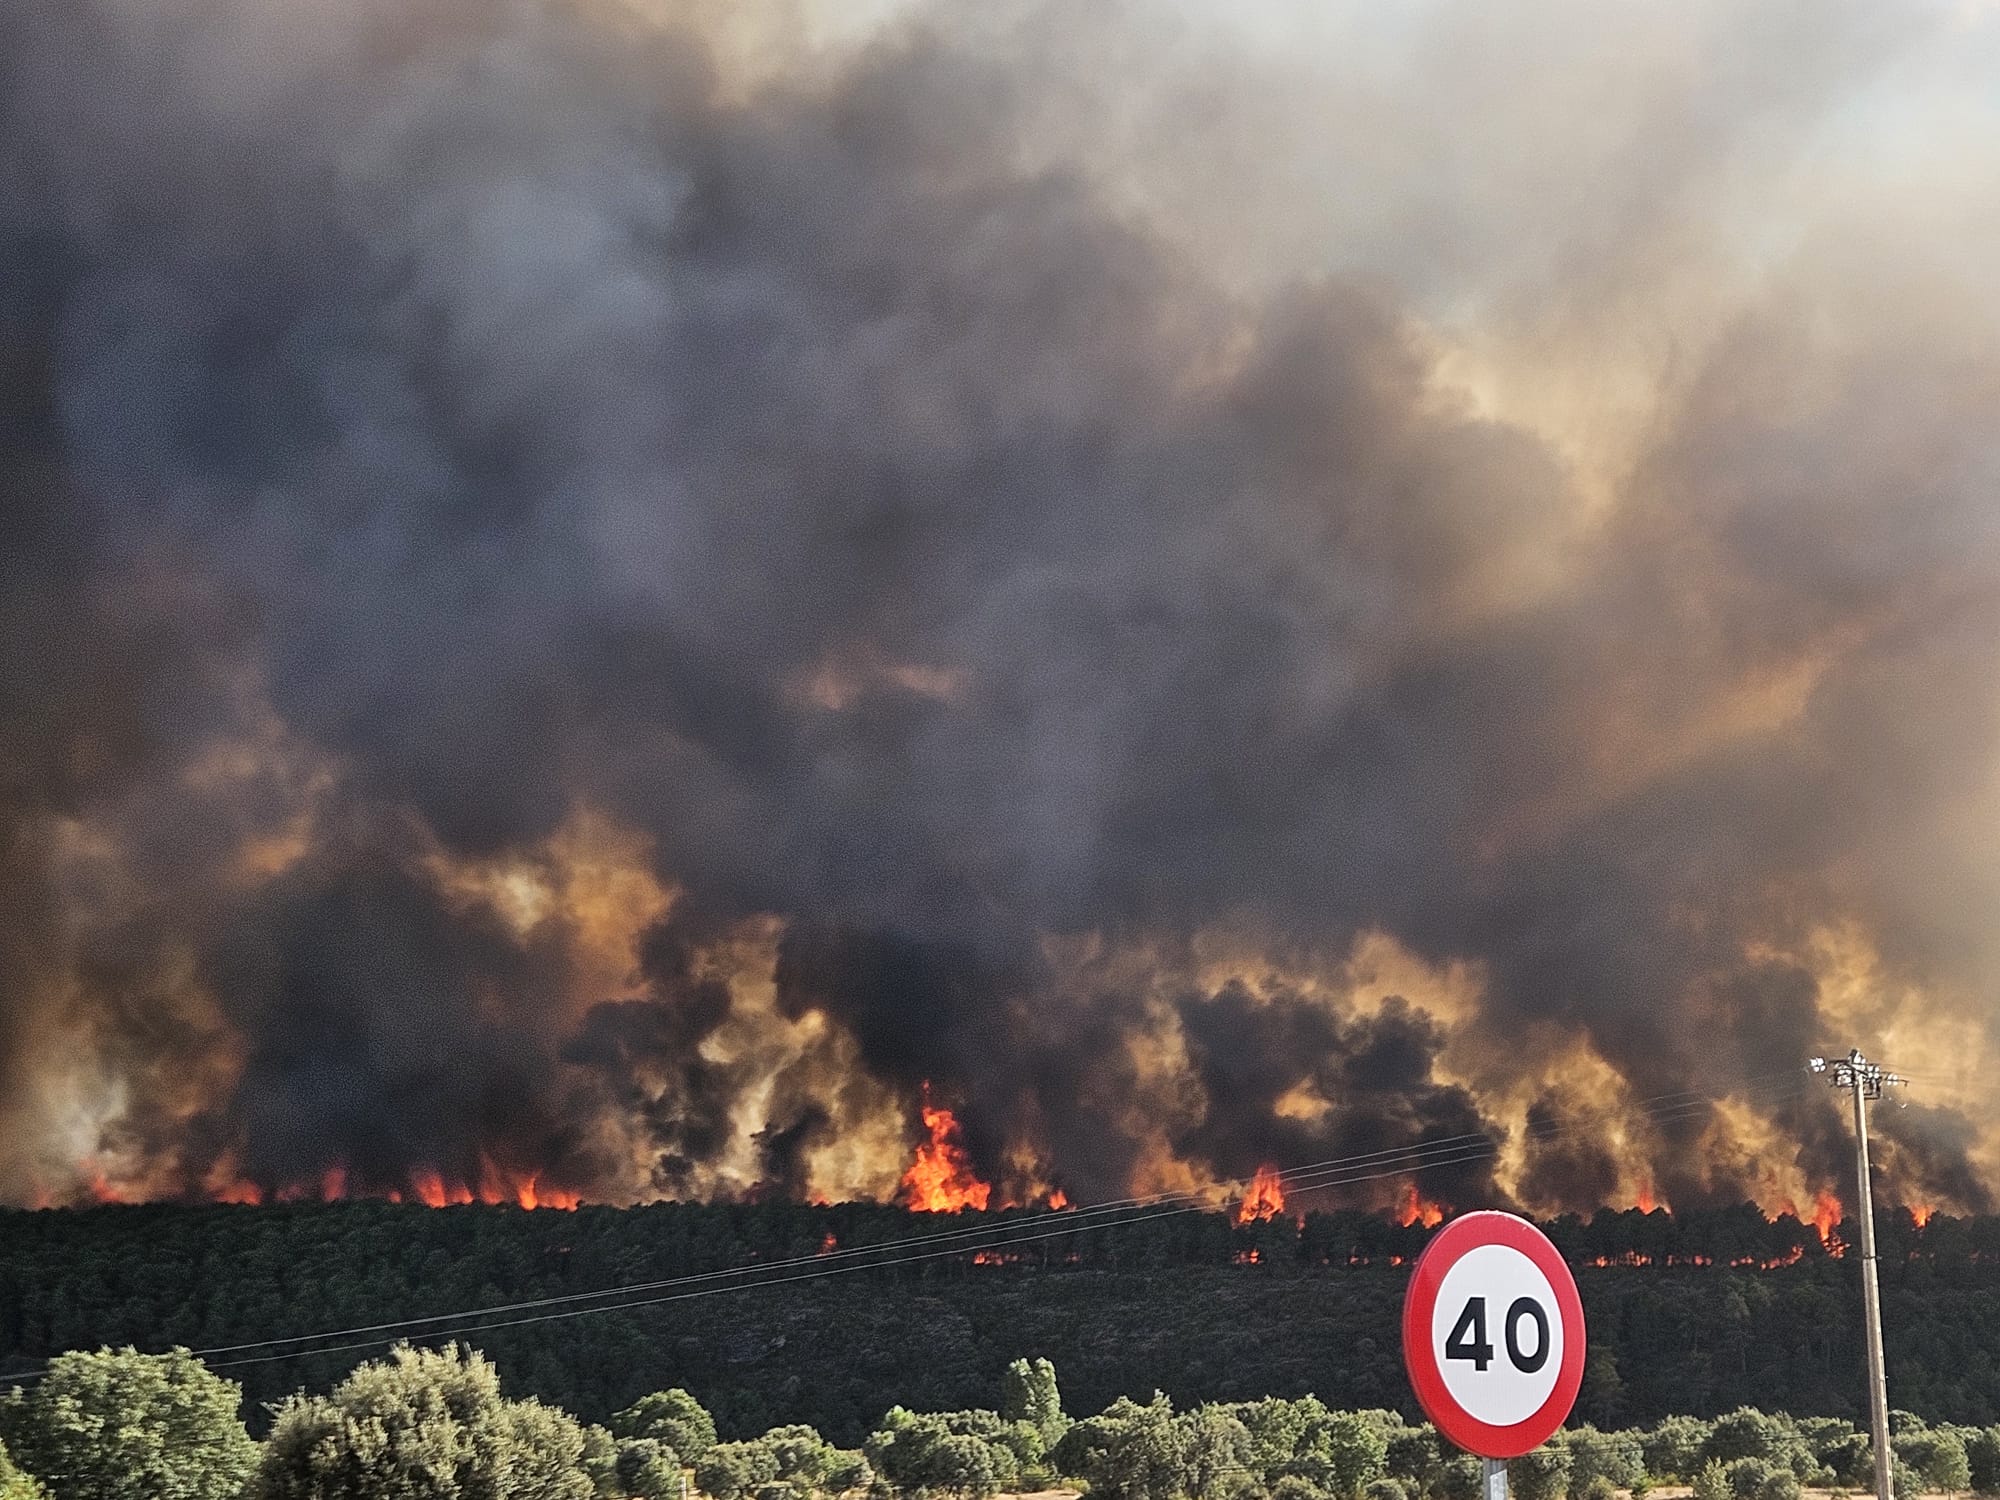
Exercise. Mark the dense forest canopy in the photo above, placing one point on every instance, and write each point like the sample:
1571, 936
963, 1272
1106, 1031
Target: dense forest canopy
1694, 1312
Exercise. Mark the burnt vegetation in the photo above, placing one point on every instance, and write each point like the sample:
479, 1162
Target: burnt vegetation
1696, 1312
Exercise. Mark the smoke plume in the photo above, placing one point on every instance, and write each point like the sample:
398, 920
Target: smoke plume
598, 591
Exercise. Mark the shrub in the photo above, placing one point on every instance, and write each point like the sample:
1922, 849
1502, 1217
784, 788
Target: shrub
1746, 1477
1848, 1460
1459, 1477
1597, 1487
1711, 1483
1343, 1453
647, 1469
1982, 1454
1386, 1488
671, 1417
1411, 1453
1938, 1459
437, 1415
1673, 1448
14, 1485
1616, 1456
121, 1425
849, 1473
730, 1470
1540, 1475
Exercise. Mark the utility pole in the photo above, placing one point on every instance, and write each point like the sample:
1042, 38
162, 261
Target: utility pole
1866, 1080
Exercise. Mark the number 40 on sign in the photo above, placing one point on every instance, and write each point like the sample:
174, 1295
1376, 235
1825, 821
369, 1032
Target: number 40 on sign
1493, 1338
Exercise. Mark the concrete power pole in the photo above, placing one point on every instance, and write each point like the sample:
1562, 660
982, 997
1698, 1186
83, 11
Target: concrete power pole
1866, 1080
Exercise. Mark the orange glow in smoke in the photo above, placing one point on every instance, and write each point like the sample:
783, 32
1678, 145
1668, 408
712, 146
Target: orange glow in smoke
1265, 1199
941, 1179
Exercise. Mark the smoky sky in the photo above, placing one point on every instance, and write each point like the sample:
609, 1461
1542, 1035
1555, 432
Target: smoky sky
986, 489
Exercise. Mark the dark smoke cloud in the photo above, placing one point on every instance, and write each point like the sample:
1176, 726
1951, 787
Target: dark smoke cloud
953, 519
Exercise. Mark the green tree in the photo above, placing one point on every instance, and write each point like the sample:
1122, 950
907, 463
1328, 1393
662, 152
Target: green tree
421, 1425
1459, 1477
1982, 1452
801, 1454
1140, 1461
120, 1425
1749, 1433
600, 1461
647, 1469
1342, 1452
1540, 1474
963, 1465
928, 1452
1413, 1454
729, 1470
14, 1485
672, 1417
1938, 1458
1616, 1456
1847, 1460
1673, 1448
1214, 1451
849, 1473
1028, 1393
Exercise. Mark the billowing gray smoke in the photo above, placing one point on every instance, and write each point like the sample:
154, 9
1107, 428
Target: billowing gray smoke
595, 597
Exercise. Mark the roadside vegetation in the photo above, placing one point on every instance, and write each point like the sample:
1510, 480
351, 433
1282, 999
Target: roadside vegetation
424, 1424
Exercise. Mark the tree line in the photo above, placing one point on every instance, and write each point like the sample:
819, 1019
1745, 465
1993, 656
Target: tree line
1684, 1316
425, 1424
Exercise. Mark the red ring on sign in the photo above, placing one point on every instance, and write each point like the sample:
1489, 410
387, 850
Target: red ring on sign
1447, 1246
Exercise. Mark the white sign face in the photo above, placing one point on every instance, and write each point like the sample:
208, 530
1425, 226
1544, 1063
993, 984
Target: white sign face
1497, 1335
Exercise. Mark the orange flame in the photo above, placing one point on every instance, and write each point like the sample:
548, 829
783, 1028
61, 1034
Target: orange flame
1266, 1198
941, 1179
1058, 1200
1921, 1212
1416, 1210
829, 1243
1825, 1215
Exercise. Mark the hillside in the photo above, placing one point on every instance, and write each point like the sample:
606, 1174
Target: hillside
1168, 1304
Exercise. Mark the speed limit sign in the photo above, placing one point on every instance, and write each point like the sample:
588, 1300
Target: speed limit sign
1493, 1334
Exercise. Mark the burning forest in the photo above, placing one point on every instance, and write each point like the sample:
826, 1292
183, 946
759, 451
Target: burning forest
606, 601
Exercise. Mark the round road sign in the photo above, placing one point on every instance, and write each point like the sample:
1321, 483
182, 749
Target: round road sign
1493, 1334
